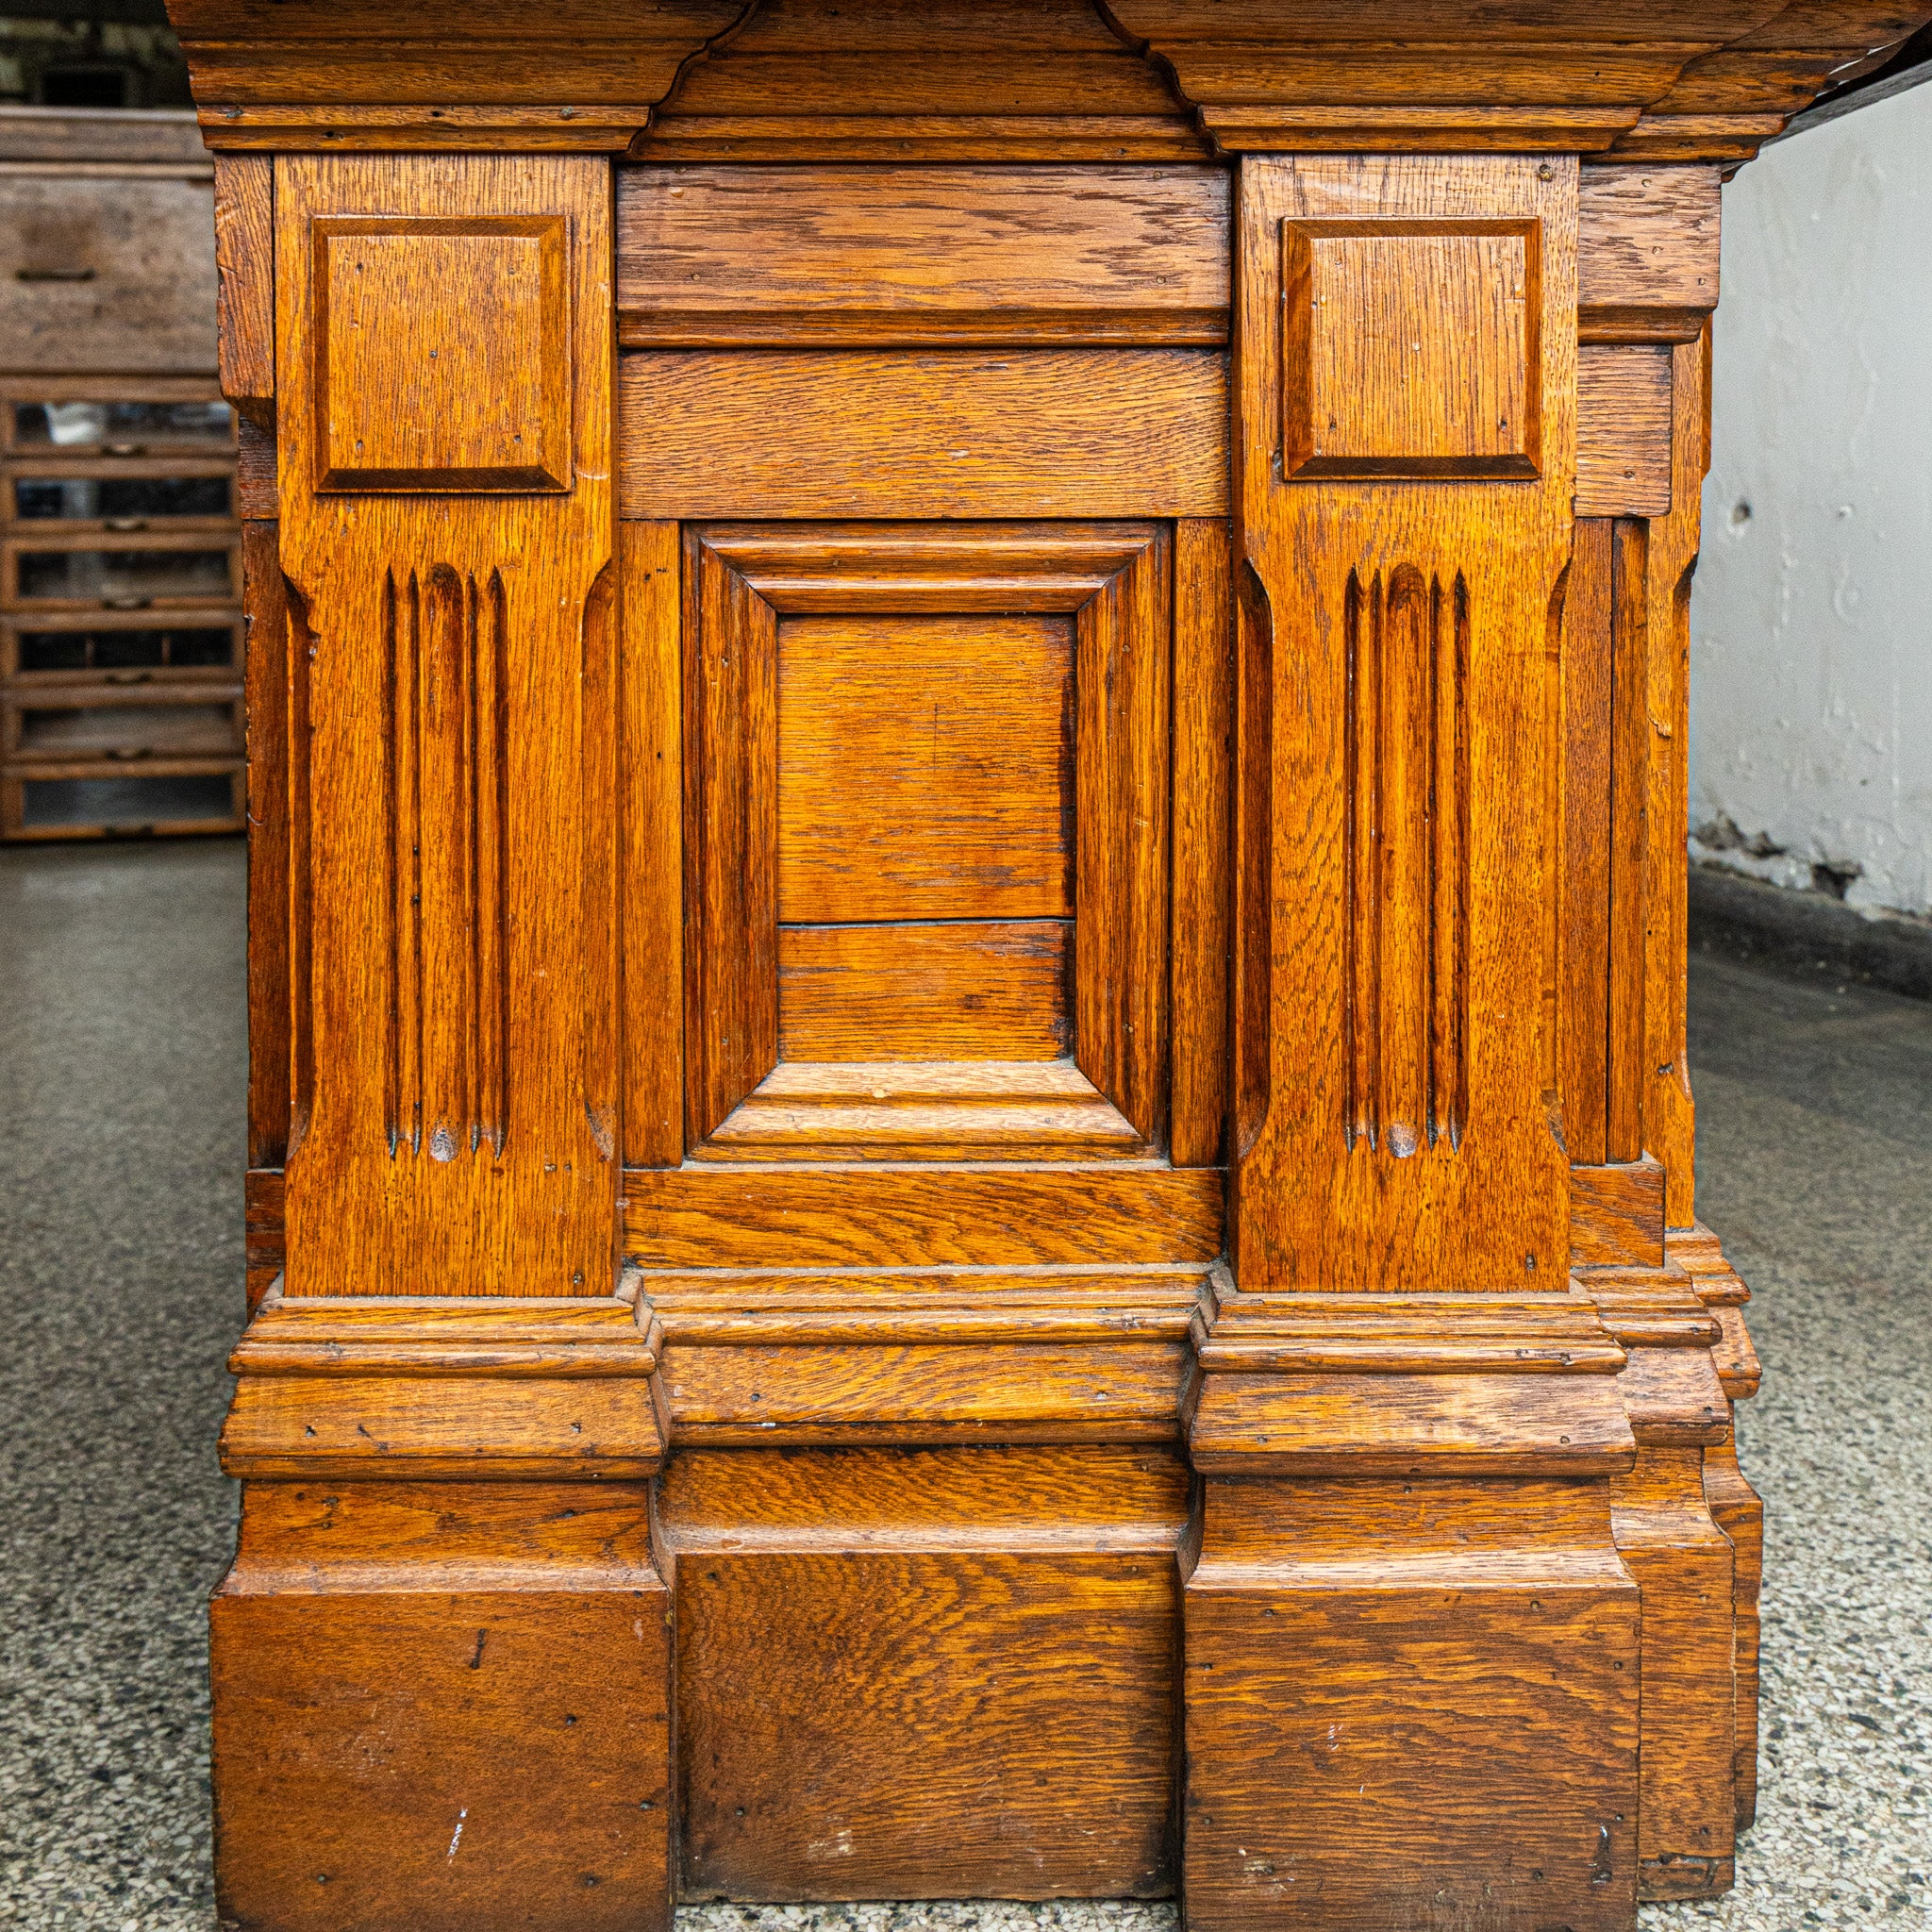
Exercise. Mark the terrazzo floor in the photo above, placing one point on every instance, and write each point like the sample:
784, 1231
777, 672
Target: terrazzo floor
121, 1097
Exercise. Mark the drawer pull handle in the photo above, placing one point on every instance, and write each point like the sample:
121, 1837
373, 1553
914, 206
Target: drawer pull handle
128, 676
124, 524
52, 274
128, 752
126, 449
125, 603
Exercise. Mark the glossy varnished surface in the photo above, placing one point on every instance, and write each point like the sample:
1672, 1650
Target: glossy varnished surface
884, 776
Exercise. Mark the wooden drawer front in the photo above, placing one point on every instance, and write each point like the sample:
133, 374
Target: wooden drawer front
101, 573
87, 419
108, 273
189, 796
716, 257
122, 647
77, 725
927, 815
116, 496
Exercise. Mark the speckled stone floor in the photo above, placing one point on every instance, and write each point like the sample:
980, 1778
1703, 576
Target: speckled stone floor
120, 1094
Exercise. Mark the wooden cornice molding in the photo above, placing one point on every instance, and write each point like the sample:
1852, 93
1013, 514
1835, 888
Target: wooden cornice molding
1646, 80
579, 74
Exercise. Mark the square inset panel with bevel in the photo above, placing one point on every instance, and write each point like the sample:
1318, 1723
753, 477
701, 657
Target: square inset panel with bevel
1409, 348
443, 353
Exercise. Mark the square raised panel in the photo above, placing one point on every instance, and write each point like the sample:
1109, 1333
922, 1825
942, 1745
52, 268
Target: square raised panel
443, 353
1410, 349
926, 767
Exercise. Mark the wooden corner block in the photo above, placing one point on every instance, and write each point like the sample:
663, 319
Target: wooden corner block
442, 354
1617, 1214
443, 1705
245, 284
1411, 348
1739, 1511
1409, 1702
1671, 1541
1647, 252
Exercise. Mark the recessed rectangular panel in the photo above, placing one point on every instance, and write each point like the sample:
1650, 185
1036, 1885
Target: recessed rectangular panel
925, 768
442, 353
961, 991
1410, 348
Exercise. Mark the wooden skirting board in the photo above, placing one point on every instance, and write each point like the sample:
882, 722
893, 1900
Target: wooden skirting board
970, 1147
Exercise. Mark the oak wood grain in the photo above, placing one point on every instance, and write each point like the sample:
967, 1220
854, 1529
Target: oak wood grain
1632, 749
1203, 744
1682, 1561
1375, 802
1588, 744
1622, 430
885, 1215
443, 1618
970, 989
257, 482
461, 1122
1391, 1424
925, 768
924, 773
1393, 1687
924, 1109
730, 837
270, 985
872, 1651
1119, 1390
1669, 1114
1739, 1511
244, 281
262, 1228
1646, 254
1617, 1214
1123, 703
650, 816
947, 432
728, 257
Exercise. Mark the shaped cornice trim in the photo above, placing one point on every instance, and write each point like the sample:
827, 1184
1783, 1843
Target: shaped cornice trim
1651, 80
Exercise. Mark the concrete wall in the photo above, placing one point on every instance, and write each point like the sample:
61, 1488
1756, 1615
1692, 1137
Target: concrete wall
1811, 621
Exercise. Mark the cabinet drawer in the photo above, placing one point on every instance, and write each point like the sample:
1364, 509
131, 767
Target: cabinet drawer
116, 496
107, 272
89, 421
84, 803
66, 725
158, 570
119, 647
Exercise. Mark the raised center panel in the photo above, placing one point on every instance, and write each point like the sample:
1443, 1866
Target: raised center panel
936, 923
925, 847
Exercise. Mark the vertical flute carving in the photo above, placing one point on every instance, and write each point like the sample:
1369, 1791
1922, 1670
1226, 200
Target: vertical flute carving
1406, 931
445, 743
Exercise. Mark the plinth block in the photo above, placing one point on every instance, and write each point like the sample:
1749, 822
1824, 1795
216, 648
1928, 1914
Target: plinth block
444, 1706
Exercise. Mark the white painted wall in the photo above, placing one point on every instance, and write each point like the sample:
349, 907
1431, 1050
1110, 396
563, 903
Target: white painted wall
1811, 617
